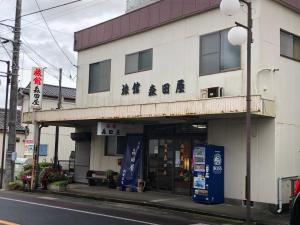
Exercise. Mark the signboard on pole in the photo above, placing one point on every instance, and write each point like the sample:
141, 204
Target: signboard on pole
28, 147
36, 87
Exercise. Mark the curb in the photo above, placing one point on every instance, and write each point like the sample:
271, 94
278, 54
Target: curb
155, 205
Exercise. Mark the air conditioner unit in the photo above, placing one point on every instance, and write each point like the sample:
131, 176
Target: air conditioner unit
212, 92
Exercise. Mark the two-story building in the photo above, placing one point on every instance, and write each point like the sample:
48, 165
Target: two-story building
167, 71
47, 136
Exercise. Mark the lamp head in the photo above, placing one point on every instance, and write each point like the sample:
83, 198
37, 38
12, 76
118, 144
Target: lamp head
230, 7
237, 36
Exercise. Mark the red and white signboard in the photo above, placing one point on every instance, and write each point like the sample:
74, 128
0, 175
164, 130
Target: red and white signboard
36, 88
28, 147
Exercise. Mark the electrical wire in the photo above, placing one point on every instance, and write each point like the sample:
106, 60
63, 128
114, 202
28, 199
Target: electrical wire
56, 42
43, 10
7, 52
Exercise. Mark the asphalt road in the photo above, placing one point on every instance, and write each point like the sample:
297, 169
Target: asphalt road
41, 209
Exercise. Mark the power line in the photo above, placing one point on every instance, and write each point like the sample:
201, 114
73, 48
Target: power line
67, 57
7, 52
25, 43
42, 10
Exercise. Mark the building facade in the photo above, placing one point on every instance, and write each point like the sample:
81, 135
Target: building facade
47, 138
20, 134
166, 71
136, 4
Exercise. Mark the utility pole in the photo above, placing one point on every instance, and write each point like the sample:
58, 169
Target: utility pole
57, 127
5, 122
9, 163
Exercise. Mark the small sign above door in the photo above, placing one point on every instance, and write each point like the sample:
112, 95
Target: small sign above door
110, 129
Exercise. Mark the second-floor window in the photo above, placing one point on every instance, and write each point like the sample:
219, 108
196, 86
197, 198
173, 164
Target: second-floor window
217, 54
139, 61
289, 45
99, 76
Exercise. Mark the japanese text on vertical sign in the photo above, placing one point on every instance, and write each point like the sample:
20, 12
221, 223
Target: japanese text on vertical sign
36, 88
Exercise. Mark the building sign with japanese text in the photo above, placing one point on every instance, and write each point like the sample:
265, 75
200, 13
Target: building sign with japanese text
153, 90
36, 88
109, 129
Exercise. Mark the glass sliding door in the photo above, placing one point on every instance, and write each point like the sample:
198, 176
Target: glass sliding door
165, 164
183, 175
160, 164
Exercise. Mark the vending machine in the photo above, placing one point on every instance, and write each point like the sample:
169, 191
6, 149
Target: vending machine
208, 174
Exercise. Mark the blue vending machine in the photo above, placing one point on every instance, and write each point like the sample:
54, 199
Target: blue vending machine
208, 174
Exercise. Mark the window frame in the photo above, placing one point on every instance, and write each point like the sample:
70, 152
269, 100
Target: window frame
138, 63
294, 36
103, 61
220, 70
106, 146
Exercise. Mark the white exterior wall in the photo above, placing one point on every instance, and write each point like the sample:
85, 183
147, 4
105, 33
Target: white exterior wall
285, 86
98, 160
231, 134
66, 145
135, 4
19, 145
175, 56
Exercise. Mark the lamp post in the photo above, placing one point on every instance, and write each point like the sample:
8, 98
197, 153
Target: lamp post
237, 36
5, 121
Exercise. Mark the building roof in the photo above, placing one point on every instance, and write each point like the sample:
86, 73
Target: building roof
19, 126
52, 91
149, 17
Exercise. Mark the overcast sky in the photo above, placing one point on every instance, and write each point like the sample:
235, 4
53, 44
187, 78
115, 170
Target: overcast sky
38, 47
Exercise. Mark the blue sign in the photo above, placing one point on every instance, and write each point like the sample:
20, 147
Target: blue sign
131, 162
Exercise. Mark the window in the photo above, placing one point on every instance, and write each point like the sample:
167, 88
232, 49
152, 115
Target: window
217, 54
289, 45
99, 77
115, 145
139, 61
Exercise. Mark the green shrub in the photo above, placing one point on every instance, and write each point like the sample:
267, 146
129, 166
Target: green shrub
14, 185
27, 167
43, 165
50, 175
62, 183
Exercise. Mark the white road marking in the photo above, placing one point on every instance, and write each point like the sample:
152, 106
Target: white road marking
78, 211
199, 224
47, 198
163, 199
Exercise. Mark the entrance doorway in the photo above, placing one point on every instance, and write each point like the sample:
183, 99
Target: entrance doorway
169, 160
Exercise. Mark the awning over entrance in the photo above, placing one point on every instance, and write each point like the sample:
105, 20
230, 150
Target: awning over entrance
224, 106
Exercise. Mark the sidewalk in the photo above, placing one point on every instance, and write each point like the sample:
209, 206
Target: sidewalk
174, 202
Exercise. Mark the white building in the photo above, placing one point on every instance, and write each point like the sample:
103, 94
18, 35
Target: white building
136, 4
165, 45
47, 136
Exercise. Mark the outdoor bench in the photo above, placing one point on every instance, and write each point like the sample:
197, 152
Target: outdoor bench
95, 177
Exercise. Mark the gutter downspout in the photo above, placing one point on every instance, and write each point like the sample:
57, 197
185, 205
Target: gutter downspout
279, 195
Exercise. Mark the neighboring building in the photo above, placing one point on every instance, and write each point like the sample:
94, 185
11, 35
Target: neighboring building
136, 4
47, 141
20, 131
167, 72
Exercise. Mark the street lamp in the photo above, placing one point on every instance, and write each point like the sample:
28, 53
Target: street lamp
237, 36
5, 121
